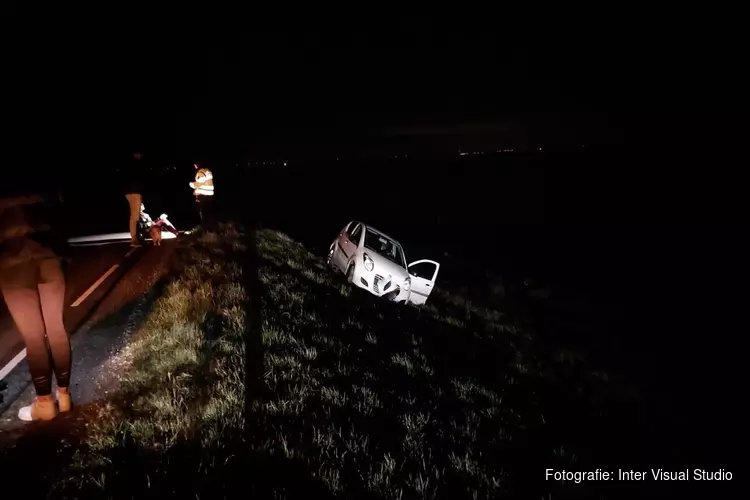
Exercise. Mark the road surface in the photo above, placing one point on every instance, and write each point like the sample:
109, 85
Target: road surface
104, 284
84, 287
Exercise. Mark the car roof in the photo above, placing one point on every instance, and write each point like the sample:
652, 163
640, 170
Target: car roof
381, 233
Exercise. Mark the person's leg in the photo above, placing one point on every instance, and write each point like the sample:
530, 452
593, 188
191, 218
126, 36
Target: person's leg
135, 215
22, 298
209, 220
168, 225
52, 297
199, 208
134, 200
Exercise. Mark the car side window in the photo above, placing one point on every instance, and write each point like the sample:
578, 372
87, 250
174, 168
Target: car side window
423, 270
354, 235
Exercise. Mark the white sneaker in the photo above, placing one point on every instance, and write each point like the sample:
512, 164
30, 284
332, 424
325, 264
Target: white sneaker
43, 408
25, 413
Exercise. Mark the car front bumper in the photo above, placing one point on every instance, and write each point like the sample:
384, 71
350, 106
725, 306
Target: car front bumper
388, 287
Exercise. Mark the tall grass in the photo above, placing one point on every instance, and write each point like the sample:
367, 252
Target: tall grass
185, 380
455, 399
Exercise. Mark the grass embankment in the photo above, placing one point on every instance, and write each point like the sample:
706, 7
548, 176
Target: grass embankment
359, 398
181, 399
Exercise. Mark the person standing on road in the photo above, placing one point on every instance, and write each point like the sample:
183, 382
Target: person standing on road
32, 283
203, 190
134, 178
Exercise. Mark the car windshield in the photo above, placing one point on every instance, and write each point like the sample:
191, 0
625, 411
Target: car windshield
385, 247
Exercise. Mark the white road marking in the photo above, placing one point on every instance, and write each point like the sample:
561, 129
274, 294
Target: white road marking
93, 287
101, 244
101, 279
5, 370
100, 237
110, 238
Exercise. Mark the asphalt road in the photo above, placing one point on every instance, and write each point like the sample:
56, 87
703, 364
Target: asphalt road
88, 265
107, 288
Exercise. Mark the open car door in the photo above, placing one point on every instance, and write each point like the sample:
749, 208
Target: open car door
339, 257
423, 275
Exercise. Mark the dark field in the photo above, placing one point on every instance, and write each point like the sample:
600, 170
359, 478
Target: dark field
636, 253
637, 260
596, 266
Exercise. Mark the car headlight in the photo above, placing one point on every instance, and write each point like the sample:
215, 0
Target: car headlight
407, 284
369, 264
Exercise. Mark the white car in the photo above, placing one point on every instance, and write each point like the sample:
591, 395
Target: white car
374, 261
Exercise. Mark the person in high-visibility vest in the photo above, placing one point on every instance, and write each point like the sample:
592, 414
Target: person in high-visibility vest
203, 190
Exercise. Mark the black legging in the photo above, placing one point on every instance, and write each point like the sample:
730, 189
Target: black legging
206, 212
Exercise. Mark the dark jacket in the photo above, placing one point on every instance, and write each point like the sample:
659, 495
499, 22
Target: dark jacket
29, 230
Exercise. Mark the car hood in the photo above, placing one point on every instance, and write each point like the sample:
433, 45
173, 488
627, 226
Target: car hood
385, 267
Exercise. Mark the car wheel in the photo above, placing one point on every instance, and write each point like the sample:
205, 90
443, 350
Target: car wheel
350, 273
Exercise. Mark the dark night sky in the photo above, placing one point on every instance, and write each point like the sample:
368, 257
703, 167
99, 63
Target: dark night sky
189, 87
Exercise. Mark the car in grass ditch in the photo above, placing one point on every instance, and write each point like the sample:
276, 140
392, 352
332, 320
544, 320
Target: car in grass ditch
374, 261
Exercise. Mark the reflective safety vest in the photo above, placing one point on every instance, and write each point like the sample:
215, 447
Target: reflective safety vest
204, 183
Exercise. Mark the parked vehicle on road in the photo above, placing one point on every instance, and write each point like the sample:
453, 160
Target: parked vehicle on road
374, 261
